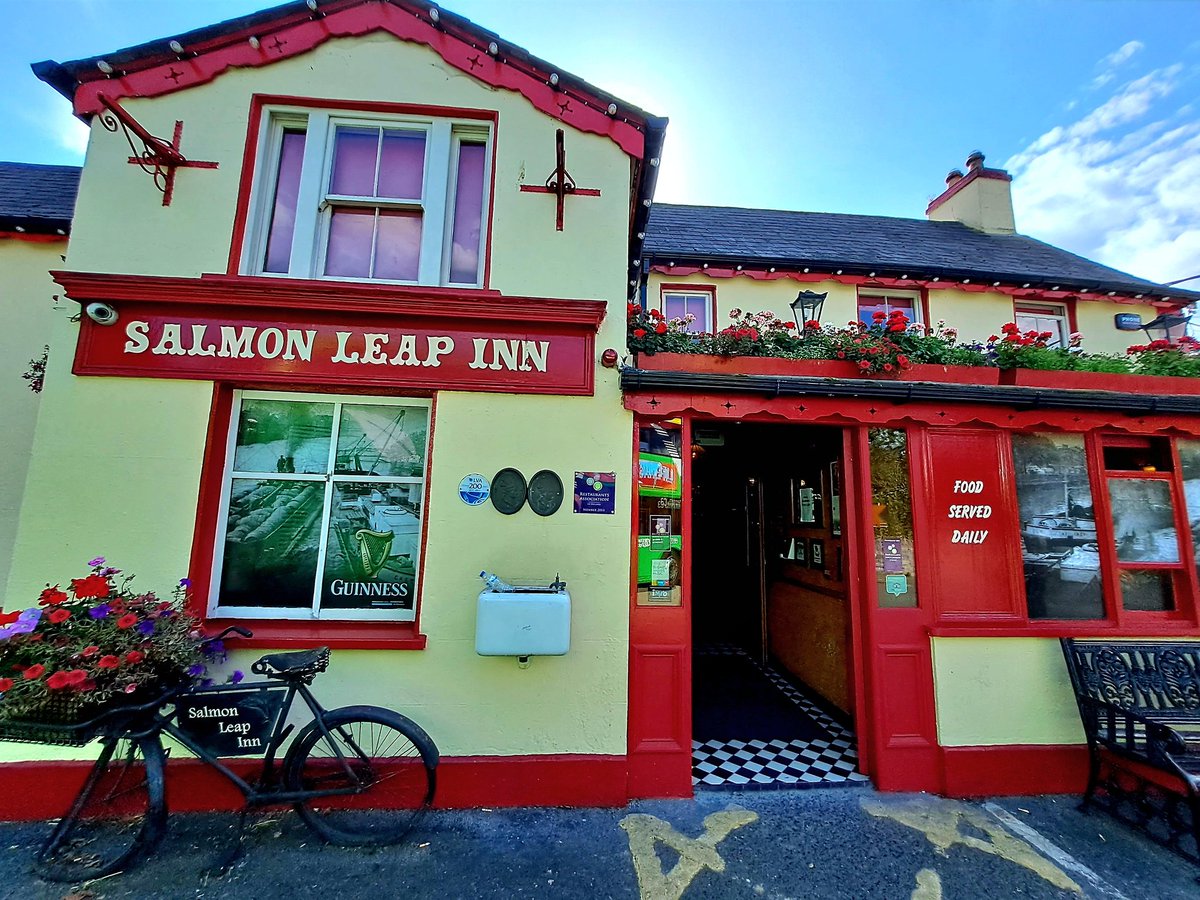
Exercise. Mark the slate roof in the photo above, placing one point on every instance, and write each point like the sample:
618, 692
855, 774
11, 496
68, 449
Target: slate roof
917, 247
38, 199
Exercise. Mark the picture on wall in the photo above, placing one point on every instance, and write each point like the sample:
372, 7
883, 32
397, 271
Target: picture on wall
816, 553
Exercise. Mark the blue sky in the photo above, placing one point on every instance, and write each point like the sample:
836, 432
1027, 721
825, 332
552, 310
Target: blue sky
851, 106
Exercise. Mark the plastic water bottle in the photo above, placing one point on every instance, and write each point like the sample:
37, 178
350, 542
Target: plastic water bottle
494, 582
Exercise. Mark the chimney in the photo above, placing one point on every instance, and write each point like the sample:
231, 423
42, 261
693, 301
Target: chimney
981, 199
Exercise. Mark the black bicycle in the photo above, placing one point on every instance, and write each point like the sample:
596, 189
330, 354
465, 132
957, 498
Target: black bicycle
358, 775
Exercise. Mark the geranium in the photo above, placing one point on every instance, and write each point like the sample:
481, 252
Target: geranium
97, 640
5, 685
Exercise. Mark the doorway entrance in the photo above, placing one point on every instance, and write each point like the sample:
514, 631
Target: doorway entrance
772, 654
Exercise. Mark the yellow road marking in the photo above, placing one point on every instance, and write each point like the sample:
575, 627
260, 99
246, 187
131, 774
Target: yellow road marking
695, 854
929, 886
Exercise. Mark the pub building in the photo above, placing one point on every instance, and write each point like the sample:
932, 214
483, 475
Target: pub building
352, 281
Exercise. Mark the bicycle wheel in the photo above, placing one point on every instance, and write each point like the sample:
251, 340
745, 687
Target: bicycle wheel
381, 770
119, 814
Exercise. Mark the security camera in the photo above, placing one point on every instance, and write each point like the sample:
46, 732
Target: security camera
101, 313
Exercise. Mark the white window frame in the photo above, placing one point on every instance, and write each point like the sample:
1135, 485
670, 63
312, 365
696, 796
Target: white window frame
329, 478
918, 315
710, 304
314, 203
1054, 312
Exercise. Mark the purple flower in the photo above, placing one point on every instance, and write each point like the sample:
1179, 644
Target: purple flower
185, 583
237, 676
98, 561
213, 648
111, 571
197, 670
146, 626
30, 615
100, 612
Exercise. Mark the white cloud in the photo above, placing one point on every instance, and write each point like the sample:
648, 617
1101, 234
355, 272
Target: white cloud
1121, 54
1120, 184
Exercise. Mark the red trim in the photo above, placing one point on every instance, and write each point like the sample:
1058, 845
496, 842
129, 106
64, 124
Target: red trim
32, 238
300, 32
981, 172
911, 284
301, 635
685, 287
574, 780
1014, 769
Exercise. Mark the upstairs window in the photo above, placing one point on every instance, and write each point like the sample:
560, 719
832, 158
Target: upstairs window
1043, 318
694, 306
398, 199
869, 304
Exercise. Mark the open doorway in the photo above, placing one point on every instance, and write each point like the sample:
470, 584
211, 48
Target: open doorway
772, 666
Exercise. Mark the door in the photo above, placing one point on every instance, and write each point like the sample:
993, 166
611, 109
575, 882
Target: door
900, 722
755, 582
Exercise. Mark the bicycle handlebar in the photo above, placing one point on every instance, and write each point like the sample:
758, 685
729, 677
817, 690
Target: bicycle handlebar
232, 629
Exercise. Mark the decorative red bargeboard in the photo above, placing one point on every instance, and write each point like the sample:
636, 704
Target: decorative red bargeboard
490, 343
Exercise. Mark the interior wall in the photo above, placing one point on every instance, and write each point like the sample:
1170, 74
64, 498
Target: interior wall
808, 635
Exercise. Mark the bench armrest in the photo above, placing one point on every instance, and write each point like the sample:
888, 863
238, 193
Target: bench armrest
1130, 731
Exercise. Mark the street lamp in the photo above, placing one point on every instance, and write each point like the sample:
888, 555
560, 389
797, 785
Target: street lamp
1168, 326
807, 307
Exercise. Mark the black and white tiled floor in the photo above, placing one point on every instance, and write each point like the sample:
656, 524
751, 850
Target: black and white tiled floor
758, 763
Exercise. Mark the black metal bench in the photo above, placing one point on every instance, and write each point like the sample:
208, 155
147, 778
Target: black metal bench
1140, 703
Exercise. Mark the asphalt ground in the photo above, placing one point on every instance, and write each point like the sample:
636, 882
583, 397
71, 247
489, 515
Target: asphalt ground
815, 843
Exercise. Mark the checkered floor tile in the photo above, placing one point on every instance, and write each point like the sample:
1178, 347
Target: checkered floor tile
756, 763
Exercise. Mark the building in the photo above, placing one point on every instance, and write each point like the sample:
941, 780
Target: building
339, 304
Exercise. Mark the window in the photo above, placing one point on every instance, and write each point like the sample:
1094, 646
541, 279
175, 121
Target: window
892, 519
1042, 318
698, 304
399, 199
869, 304
322, 508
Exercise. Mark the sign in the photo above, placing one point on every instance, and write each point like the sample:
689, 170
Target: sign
896, 585
891, 549
474, 490
596, 492
230, 722
658, 476
1128, 321
337, 348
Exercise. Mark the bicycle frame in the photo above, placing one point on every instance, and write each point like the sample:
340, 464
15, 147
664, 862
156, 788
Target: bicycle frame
262, 793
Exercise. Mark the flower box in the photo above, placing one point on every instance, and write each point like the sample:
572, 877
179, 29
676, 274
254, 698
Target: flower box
809, 368
1100, 381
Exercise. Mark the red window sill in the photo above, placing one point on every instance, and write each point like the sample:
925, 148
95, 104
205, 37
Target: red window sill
273, 634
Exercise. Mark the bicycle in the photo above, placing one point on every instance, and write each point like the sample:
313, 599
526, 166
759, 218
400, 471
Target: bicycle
343, 763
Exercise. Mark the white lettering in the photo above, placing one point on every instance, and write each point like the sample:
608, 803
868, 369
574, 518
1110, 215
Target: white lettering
478, 362
301, 342
341, 588
270, 343
199, 348
959, 511
371, 351
506, 352
968, 537
406, 354
171, 341
236, 342
138, 342
340, 356
438, 347
535, 352
968, 487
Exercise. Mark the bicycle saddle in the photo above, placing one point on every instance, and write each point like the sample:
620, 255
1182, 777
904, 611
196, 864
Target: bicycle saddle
302, 664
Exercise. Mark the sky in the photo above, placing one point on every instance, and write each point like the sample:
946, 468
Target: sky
857, 106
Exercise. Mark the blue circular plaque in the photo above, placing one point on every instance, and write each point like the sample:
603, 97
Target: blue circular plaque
474, 490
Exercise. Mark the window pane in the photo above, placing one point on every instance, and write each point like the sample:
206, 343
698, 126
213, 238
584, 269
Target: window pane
675, 306
1058, 527
1189, 464
374, 540
398, 245
350, 234
279, 436
402, 166
698, 307
382, 440
1147, 591
271, 543
891, 516
283, 215
468, 214
1143, 520
354, 153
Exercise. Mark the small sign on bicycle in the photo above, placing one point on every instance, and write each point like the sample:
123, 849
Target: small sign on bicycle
230, 722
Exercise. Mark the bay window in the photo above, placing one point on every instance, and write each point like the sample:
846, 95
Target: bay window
322, 508
399, 199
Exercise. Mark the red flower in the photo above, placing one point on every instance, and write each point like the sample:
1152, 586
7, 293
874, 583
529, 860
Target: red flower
993, 338
76, 677
655, 314
902, 359
639, 333
633, 309
660, 328
108, 662
33, 672
127, 621
1010, 328
887, 367
5, 684
93, 586
59, 615
8, 618
88, 685
89, 651
897, 325
864, 365
134, 656
879, 315
57, 681
841, 354
51, 596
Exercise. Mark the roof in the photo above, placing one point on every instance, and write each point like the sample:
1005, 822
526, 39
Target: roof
891, 246
37, 199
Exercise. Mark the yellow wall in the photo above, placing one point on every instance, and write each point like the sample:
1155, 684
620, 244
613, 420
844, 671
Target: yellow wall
985, 205
976, 314
26, 300
129, 489
1003, 691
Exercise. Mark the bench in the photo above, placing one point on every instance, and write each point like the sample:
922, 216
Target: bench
1140, 706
